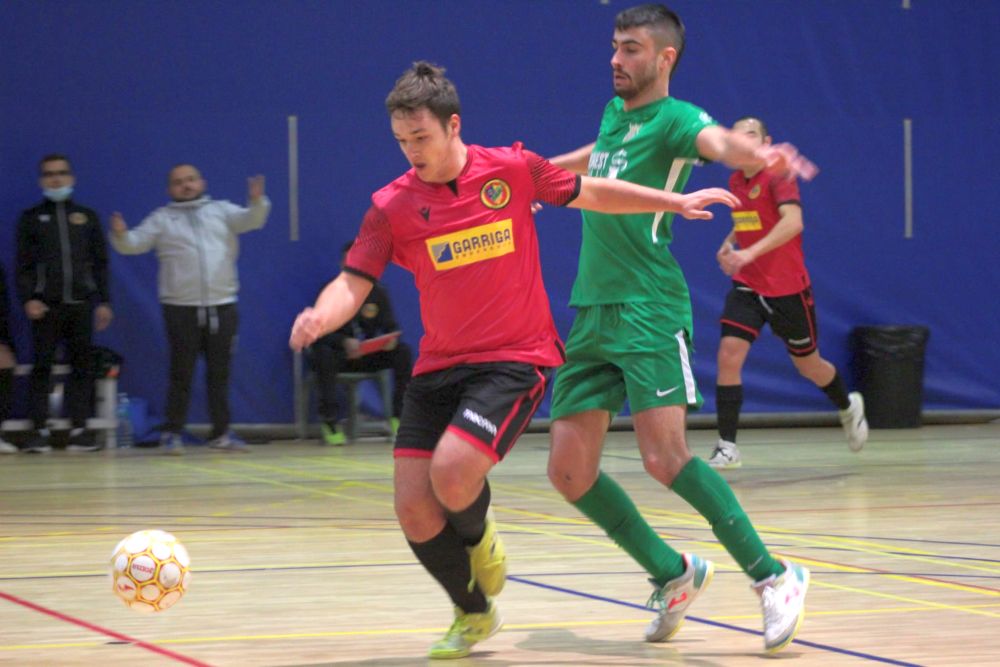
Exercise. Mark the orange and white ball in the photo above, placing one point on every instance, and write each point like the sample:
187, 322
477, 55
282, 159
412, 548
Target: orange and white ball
150, 570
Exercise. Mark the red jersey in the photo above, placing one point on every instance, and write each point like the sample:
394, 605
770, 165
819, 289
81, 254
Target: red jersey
472, 249
783, 270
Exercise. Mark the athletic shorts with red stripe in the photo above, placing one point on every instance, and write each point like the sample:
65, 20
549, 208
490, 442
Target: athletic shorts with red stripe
488, 405
792, 318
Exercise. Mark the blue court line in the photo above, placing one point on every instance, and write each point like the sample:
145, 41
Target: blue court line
726, 626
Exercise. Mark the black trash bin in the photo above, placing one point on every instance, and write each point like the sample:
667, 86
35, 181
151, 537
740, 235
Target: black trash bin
889, 371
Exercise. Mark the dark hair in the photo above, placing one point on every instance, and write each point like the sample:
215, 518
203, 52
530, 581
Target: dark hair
53, 157
665, 26
763, 127
424, 86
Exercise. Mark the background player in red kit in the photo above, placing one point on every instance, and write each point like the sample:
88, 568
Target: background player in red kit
770, 285
460, 220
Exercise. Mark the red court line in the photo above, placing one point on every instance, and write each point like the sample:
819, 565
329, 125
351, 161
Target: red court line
104, 631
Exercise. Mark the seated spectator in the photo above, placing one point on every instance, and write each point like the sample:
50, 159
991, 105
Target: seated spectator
341, 352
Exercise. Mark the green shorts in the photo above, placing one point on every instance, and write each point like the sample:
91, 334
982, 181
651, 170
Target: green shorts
639, 351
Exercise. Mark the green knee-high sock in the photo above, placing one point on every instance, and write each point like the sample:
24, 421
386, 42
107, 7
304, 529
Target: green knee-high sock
607, 505
706, 491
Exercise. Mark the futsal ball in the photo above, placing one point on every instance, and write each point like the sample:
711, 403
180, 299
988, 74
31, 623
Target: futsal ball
150, 570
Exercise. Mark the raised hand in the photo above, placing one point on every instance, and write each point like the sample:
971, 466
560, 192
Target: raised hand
118, 226
693, 204
255, 187
785, 160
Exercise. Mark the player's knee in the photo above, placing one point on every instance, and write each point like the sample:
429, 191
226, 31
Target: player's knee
572, 485
453, 486
664, 466
729, 358
414, 518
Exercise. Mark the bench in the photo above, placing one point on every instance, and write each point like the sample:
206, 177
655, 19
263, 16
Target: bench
104, 421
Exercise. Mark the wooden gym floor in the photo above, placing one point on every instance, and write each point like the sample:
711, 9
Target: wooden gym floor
297, 558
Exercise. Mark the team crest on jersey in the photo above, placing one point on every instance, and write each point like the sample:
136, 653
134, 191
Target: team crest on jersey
495, 193
746, 221
472, 245
77, 218
369, 311
754, 192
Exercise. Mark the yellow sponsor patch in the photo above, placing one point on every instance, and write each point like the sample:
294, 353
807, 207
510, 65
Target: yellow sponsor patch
471, 245
746, 221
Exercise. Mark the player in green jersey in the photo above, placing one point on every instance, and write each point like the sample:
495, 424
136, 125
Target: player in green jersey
632, 335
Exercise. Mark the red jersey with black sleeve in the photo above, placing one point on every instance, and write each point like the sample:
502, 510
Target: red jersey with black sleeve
473, 252
781, 271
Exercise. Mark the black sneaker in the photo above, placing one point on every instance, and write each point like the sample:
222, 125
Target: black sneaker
39, 443
81, 440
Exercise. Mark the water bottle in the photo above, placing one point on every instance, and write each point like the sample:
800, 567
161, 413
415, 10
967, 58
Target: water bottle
124, 433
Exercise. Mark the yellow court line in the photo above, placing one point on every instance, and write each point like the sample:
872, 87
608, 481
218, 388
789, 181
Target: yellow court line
337, 633
882, 550
272, 482
857, 612
507, 627
347, 482
685, 518
688, 519
908, 600
876, 548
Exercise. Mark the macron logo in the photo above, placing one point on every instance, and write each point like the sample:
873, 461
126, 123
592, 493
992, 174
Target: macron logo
480, 421
668, 391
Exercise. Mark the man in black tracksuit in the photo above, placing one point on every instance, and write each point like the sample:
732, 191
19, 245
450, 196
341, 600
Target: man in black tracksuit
62, 280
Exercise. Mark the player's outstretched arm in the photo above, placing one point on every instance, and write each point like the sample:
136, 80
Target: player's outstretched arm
737, 151
336, 304
576, 161
606, 195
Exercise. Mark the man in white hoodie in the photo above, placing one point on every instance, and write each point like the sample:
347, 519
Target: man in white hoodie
196, 242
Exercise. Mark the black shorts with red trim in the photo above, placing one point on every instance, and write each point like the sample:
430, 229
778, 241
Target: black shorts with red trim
488, 405
792, 318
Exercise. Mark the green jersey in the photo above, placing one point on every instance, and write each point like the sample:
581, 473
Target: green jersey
626, 258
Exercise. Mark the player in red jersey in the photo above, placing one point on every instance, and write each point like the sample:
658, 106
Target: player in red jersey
460, 220
770, 285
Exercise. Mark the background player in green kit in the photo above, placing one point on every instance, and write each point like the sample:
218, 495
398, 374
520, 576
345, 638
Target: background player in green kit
632, 335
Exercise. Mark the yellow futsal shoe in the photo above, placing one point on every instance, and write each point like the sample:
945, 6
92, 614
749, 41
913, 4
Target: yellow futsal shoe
466, 631
489, 560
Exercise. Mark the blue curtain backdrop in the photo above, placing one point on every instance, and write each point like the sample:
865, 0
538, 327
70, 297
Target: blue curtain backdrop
128, 89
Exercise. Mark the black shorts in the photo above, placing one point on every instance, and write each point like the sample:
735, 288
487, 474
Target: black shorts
792, 318
487, 405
